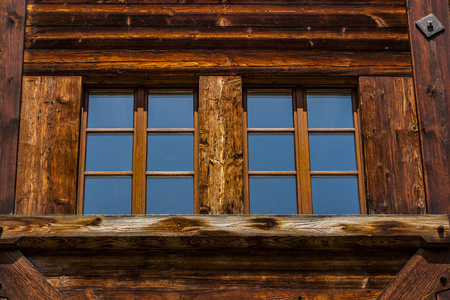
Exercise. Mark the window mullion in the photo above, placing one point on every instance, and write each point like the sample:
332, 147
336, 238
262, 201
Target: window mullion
303, 178
138, 205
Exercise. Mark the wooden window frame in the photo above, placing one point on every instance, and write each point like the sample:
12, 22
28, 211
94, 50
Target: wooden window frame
140, 132
301, 132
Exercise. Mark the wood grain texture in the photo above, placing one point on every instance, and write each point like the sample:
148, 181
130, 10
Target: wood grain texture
223, 231
194, 15
20, 280
48, 145
232, 273
421, 277
244, 294
392, 154
432, 85
226, 62
250, 38
12, 24
221, 165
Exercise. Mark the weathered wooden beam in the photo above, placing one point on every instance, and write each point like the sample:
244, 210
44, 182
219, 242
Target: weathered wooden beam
221, 164
48, 146
422, 277
226, 62
19, 279
204, 15
224, 231
290, 2
432, 84
250, 38
392, 155
12, 24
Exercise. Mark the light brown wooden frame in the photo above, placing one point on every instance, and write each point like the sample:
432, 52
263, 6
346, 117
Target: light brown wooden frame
301, 131
140, 132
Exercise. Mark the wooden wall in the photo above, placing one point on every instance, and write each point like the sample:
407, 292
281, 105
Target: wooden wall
79, 37
12, 23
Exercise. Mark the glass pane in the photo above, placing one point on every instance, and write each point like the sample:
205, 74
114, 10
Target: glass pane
109, 152
110, 110
269, 109
330, 109
335, 195
332, 151
271, 152
170, 195
107, 195
273, 195
171, 109
170, 152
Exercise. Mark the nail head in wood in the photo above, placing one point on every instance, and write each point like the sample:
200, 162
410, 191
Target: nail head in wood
430, 25
440, 229
443, 280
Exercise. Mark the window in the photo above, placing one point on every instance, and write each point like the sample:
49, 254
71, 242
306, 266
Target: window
137, 152
302, 151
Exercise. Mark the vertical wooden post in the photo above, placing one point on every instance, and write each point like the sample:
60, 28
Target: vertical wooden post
391, 146
12, 27
432, 85
47, 164
221, 171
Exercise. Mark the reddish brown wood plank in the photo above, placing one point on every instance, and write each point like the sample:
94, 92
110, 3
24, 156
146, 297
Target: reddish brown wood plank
421, 277
243, 294
20, 280
48, 145
229, 270
221, 165
291, 2
394, 176
12, 24
229, 62
432, 85
256, 38
194, 15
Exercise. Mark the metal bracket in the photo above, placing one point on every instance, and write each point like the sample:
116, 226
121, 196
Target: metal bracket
430, 25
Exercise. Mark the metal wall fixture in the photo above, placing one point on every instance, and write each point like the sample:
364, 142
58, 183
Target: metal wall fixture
430, 25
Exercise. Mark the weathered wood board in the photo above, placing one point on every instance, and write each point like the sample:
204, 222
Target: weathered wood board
12, 26
392, 153
221, 165
19, 279
432, 85
48, 146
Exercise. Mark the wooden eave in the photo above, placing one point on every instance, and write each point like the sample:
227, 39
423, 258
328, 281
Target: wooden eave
223, 231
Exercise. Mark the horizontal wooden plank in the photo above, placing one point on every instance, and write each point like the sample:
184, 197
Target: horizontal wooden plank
244, 294
224, 2
199, 269
224, 231
205, 62
194, 15
256, 38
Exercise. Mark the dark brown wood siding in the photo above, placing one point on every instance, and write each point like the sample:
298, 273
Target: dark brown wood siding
432, 83
393, 163
12, 24
48, 146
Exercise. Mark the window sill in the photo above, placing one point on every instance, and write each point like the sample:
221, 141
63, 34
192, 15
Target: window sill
223, 231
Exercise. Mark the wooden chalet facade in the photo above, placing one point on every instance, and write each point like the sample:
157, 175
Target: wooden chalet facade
53, 51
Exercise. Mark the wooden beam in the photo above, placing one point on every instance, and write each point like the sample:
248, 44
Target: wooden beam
422, 277
12, 24
392, 153
180, 232
207, 62
48, 146
432, 85
20, 280
221, 165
